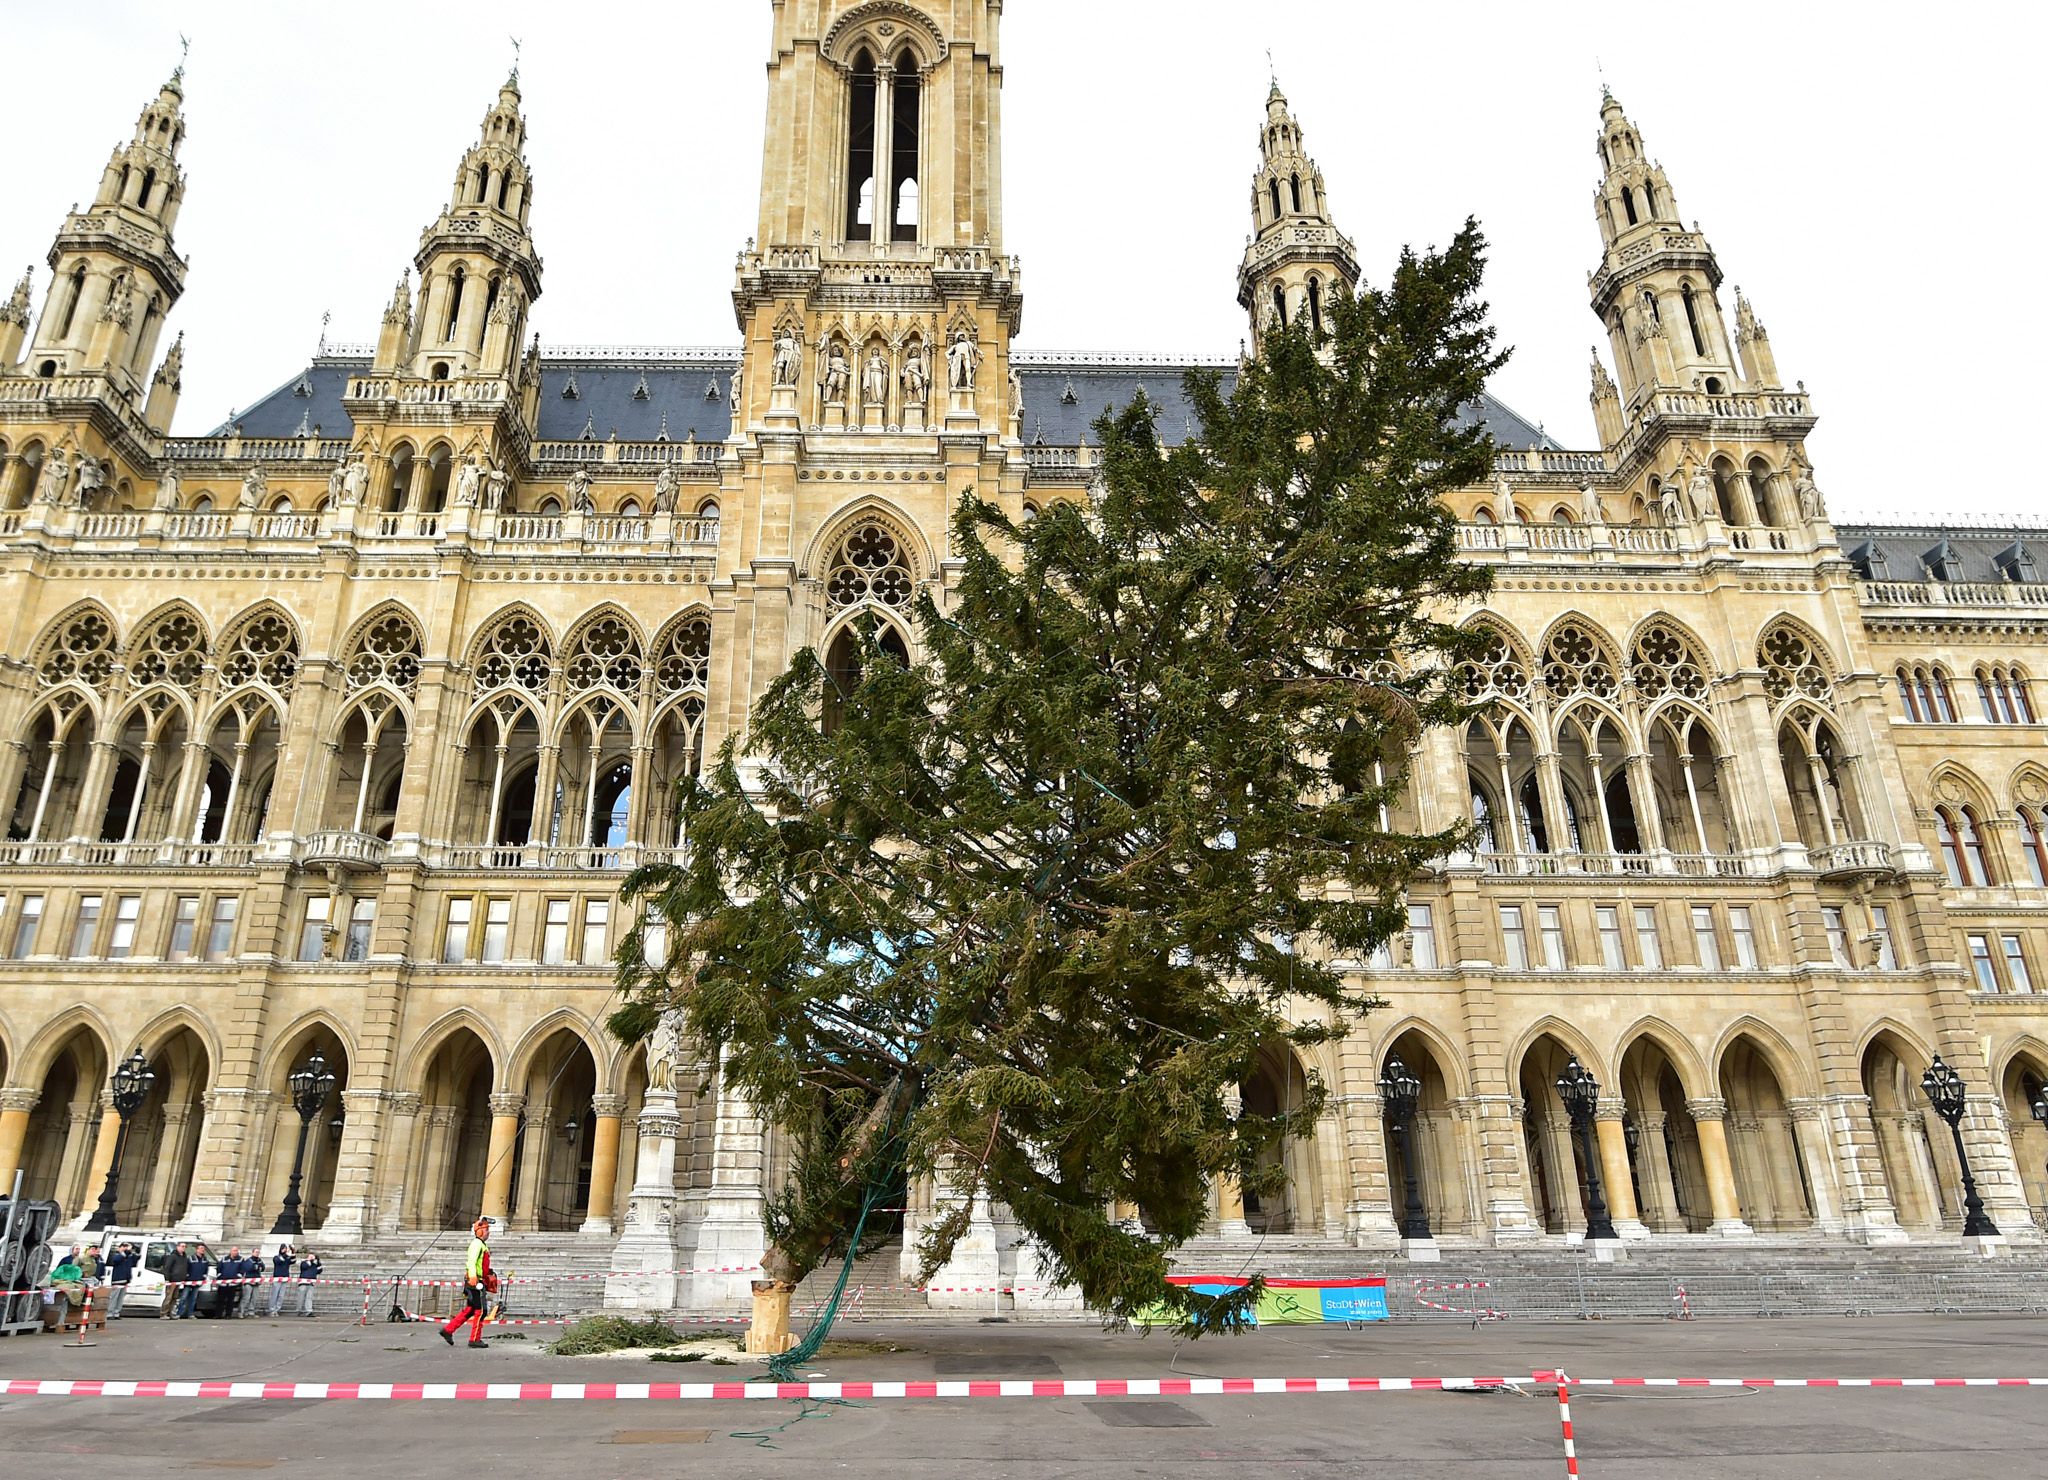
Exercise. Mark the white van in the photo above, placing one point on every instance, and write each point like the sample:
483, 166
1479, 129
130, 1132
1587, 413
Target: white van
146, 1286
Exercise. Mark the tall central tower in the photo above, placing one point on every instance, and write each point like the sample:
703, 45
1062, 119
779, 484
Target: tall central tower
877, 296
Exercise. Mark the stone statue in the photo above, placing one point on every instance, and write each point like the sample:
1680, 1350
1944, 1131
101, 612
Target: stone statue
1590, 511
336, 480
789, 358
962, 360
578, 492
255, 487
56, 478
92, 477
1504, 503
838, 377
468, 483
733, 394
1016, 392
1699, 492
1667, 506
495, 485
170, 490
355, 482
874, 381
917, 382
1811, 509
666, 485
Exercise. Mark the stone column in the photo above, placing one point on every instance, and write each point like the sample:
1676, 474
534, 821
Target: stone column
731, 1233
649, 1240
350, 1212
436, 1150
1564, 1170
156, 1209
497, 1196
71, 1168
605, 1110
533, 1168
1369, 1197
1868, 1213
1659, 1210
1616, 1175
16, 1105
397, 1165
1710, 1117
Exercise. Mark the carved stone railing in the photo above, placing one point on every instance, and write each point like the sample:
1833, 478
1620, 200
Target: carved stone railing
615, 529
530, 528
1608, 865
109, 526
344, 849
1852, 860
1955, 593
285, 527
197, 526
1742, 537
1634, 539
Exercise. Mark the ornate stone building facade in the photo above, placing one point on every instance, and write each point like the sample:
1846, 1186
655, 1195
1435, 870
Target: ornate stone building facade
335, 730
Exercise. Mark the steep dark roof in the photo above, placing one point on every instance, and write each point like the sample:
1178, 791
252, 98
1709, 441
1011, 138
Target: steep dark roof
631, 394
1960, 553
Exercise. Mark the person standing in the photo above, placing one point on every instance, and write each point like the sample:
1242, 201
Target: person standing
477, 1283
177, 1271
252, 1283
309, 1279
231, 1284
280, 1277
120, 1270
202, 1274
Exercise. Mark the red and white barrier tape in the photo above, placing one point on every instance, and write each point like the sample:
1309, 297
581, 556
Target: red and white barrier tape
1684, 1305
1188, 1387
1480, 1313
1564, 1413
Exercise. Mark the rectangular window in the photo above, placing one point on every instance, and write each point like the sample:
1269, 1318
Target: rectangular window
1742, 926
220, 930
184, 928
1550, 926
455, 939
1514, 937
313, 932
362, 920
654, 938
1982, 964
1381, 957
1649, 950
1422, 938
127, 916
1881, 927
1838, 937
2016, 965
86, 928
597, 923
1613, 954
497, 929
27, 920
1706, 945
554, 935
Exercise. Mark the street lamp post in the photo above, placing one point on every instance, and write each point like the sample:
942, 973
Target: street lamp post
131, 1086
1580, 1092
1944, 1090
311, 1084
1400, 1094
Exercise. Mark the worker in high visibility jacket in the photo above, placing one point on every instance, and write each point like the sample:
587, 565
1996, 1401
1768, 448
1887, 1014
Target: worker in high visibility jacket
477, 1283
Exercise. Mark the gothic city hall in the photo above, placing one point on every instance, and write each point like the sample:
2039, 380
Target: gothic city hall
337, 729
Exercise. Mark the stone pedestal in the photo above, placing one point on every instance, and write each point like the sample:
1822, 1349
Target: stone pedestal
835, 416
1421, 1251
913, 418
871, 418
972, 1280
960, 410
649, 1242
1985, 1246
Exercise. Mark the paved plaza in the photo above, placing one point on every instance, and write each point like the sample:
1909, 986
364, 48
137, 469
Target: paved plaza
1718, 1434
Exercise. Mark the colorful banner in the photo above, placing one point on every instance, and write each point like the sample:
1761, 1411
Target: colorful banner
1293, 1302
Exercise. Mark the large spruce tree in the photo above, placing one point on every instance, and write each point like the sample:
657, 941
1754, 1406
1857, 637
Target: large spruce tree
1023, 914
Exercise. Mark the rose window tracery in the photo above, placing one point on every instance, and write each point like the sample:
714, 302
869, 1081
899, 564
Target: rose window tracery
388, 653
869, 567
83, 652
1498, 672
516, 655
1791, 667
266, 651
174, 652
1575, 662
1665, 663
607, 656
686, 661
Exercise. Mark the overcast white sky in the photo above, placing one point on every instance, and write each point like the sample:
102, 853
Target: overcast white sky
1843, 160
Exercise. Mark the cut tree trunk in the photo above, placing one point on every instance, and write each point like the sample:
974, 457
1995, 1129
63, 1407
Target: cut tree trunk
769, 1335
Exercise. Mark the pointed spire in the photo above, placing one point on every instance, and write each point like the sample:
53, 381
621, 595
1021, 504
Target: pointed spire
1746, 325
17, 308
172, 371
400, 311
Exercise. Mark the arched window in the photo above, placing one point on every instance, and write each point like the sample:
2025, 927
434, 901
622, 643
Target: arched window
1962, 846
1724, 491
860, 162
843, 664
1760, 490
1649, 301
1649, 198
1628, 204
1692, 321
2033, 830
148, 188
613, 807
137, 358
1482, 820
1910, 699
1295, 183
504, 191
1280, 304
906, 117
476, 189
1973, 846
71, 301
491, 295
400, 491
456, 280
1273, 188
1315, 305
